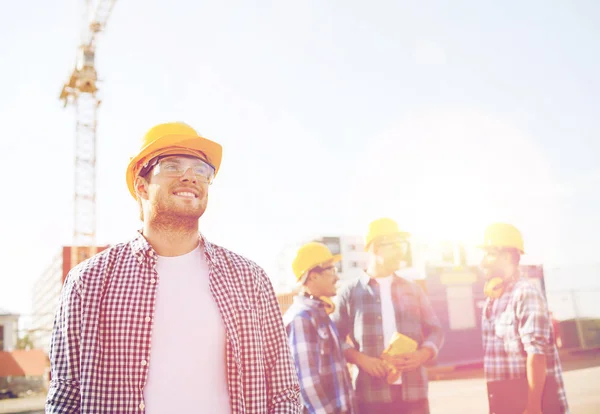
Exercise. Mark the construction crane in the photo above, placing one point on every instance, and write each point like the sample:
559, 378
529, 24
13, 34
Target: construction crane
81, 91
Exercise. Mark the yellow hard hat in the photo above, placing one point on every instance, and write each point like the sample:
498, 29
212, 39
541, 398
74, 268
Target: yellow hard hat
503, 235
310, 256
383, 227
172, 137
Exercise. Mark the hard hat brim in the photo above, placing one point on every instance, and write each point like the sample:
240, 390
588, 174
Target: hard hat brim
489, 247
304, 275
404, 234
211, 149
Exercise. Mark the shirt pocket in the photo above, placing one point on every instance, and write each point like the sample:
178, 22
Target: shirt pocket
505, 330
409, 306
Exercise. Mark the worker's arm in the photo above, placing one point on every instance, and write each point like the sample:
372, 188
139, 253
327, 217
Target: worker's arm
304, 343
283, 390
64, 392
343, 318
432, 329
536, 379
534, 333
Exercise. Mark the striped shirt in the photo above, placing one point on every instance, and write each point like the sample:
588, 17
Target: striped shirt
358, 316
325, 383
514, 325
100, 348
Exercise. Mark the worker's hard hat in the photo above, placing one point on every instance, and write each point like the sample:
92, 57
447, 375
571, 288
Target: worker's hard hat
171, 138
503, 236
309, 256
383, 227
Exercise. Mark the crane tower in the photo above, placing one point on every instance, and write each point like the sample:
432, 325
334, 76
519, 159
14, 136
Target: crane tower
81, 91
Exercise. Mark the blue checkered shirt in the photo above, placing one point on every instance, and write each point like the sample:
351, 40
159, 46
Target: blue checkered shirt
325, 383
514, 325
358, 317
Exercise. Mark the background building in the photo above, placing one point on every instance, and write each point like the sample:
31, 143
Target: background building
9, 325
47, 290
355, 260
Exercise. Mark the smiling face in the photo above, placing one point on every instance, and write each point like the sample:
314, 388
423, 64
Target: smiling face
389, 252
175, 192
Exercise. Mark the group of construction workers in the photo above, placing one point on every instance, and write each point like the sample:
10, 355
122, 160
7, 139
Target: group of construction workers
169, 321
382, 312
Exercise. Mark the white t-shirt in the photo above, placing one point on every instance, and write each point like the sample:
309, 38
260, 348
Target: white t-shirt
187, 366
388, 314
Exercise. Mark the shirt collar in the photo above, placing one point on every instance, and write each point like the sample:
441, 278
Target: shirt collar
365, 279
144, 252
310, 302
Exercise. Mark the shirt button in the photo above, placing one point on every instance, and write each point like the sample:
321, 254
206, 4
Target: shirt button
148, 319
144, 363
153, 281
379, 317
142, 406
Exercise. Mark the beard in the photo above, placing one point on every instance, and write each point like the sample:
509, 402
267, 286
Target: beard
170, 215
392, 262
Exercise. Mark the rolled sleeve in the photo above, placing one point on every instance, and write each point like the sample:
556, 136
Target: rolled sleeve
432, 346
432, 328
534, 326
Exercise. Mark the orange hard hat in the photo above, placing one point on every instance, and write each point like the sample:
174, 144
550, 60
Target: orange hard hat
172, 137
383, 227
503, 235
311, 255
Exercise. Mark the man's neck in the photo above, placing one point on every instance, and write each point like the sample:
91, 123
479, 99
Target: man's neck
308, 291
514, 274
171, 242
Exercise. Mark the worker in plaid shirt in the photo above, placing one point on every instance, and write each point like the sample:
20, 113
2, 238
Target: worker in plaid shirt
169, 322
521, 362
374, 307
325, 382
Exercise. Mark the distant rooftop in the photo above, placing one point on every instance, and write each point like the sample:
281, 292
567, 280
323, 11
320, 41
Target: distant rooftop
4, 312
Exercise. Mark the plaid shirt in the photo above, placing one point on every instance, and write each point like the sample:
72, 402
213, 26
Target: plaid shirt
514, 325
358, 316
101, 340
325, 383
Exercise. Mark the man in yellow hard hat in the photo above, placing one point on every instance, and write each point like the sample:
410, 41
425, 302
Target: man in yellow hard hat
521, 362
170, 322
372, 311
325, 383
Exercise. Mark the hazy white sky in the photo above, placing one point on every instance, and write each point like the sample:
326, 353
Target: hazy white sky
444, 115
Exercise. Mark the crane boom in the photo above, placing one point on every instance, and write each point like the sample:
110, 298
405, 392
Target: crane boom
81, 91
98, 20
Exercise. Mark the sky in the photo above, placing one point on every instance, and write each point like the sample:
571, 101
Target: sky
443, 115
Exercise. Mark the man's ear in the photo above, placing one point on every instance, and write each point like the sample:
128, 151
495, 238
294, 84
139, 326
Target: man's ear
141, 187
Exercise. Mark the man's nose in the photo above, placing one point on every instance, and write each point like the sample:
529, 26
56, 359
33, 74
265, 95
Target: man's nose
189, 175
